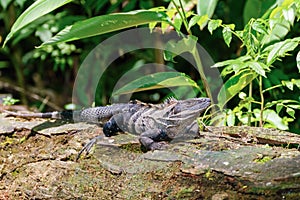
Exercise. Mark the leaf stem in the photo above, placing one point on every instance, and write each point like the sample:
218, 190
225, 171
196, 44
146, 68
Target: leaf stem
250, 105
182, 15
262, 101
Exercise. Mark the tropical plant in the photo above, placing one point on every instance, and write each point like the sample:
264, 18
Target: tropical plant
264, 40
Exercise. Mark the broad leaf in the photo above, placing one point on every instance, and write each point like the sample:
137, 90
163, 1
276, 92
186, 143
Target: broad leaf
271, 117
105, 24
174, 48
280, 49
256, 8
156, 81
33, 12
234, 85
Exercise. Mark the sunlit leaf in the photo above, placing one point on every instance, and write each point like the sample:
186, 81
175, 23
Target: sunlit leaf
291, 112
205, 7
227, 35
288, 84
232, 61
289, 15
234, 85
194, 21
259, 27
105, 24
279, 49
271, 117
296, 82
33, 12
279, 107
174, 48
279, 29
230, 119
213, 25
258, 67
202, 21
156, 81
298, 61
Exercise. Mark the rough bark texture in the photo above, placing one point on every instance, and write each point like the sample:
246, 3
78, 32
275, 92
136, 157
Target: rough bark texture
38, 161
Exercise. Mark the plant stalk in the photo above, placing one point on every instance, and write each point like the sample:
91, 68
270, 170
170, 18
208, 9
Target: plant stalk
250, 104
262, 102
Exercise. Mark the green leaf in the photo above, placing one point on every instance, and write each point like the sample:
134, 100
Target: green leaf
232, 61
230, 119
256, 8
33, 12
174, 49
234, 85
279, 107
294, 106
105, 24
288, 84
156, 81
227, 35
289, 15
205, 7
279, 49
298, 61
5, 3
194, 21
213, 25
202, 21
271, 117
279, 29
259, 68
259, 27
291, 112
296, 82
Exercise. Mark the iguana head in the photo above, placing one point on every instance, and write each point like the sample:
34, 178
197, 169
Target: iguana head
189, 109
183, 110
182, 113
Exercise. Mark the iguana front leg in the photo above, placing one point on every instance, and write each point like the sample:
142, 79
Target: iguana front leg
151, 139
111, 127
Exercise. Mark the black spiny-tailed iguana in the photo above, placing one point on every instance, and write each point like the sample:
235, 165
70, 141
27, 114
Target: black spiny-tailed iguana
152, 122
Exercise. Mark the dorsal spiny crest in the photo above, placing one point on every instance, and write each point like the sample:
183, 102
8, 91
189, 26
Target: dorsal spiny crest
170, 100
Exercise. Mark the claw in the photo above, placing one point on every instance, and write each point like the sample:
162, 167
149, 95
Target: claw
88, 146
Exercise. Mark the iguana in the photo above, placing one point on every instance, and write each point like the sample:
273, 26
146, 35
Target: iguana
154, 123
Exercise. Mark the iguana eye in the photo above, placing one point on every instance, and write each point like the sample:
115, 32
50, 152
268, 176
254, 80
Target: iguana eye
177, 109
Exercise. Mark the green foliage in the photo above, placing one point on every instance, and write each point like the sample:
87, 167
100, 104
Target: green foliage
35, 11
254, 84
156, 81
262, 40
8, 101
105, 24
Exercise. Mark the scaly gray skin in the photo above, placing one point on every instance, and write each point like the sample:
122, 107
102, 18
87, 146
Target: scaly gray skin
152, 122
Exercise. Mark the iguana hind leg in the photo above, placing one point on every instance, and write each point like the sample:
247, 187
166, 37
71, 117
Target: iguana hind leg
152, 139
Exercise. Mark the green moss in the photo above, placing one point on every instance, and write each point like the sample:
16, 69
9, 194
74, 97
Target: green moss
131, 147
185, 192
263, 159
